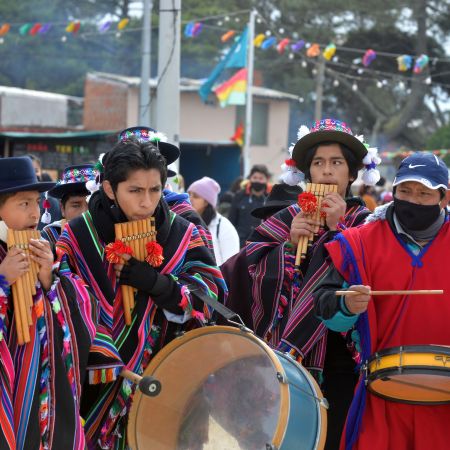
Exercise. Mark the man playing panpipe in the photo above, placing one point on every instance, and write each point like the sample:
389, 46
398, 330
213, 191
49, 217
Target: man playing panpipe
328, 154
134, 173
403, 246
179, 203
43, 345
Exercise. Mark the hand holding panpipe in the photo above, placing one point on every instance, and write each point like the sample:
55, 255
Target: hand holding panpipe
314, 210
136, 235
24, 287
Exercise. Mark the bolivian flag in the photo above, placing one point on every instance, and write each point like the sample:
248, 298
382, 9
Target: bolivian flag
232, 91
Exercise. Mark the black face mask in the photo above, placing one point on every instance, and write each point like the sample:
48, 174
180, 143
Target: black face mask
258, 186
416, 217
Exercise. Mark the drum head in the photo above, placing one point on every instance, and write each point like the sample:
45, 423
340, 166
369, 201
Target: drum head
220, 391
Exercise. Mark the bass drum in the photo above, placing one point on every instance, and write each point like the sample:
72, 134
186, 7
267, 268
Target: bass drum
225, 389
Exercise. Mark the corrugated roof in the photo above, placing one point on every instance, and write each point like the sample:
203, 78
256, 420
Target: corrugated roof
66, 135
188, 85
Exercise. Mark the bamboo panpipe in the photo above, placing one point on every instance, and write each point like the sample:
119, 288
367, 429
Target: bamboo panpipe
24, 287
135, 234
319, 190
398, 292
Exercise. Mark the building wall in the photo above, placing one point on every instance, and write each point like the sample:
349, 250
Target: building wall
28, 108
198, 121
275, 153
105, 105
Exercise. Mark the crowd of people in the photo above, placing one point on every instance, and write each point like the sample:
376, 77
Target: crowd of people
64, 388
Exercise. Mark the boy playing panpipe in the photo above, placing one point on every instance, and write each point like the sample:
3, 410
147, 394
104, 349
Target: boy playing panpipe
328, 153
40, 380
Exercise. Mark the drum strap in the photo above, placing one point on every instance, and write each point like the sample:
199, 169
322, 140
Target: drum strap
213, 303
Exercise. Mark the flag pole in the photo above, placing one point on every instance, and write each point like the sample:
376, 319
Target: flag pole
249, 95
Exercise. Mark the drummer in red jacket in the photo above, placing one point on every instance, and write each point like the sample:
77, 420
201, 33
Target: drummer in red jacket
403, 246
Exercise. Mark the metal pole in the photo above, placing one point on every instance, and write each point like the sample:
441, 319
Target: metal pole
320, 79
249, 97
168, 90
145, 91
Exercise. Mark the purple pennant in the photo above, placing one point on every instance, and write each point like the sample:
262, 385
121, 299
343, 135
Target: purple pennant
197, 29
45, 28
297, 46
104, 26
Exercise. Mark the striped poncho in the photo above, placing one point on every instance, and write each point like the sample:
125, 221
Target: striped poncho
40, 382
107, 399
282, 305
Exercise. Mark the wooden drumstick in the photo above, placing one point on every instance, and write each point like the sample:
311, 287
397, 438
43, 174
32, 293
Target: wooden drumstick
147, 385
397, 292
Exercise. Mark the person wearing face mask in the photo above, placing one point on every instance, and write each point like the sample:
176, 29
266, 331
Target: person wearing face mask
253, 196
402, 246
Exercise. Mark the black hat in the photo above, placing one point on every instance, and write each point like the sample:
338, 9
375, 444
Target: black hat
17, 174
327, 130
146, 134
73, 180
281, 196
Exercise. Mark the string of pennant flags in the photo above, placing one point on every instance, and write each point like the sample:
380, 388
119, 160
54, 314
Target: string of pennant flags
265, 41
72, 27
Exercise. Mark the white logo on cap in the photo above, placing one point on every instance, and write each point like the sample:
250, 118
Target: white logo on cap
426, 182
417, 165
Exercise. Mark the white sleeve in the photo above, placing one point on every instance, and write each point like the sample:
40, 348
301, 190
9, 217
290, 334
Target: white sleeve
228, 239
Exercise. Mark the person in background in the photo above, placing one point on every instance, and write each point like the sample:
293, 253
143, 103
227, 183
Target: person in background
248, 199
226, 198
367, 194
71, 191
203, 194
52, 204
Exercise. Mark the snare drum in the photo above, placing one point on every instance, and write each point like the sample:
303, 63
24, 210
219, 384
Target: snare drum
412, 374
225, 389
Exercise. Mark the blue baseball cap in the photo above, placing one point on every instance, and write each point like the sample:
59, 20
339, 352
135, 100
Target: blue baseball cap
425, 168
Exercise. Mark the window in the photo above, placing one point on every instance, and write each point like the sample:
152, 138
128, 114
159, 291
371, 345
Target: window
260, 121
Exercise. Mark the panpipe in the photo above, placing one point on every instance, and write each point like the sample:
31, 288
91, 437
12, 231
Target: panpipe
135, 234
319, 191
24, 287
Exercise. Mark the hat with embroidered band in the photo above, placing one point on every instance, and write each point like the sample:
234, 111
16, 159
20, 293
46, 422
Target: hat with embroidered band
146, 134
74, 180
17, 175
326, 130
425, 168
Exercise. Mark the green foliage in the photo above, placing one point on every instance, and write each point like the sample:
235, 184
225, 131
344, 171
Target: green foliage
440, 139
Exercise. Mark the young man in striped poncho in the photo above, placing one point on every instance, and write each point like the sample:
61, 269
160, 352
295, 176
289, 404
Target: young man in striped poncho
282, 307
133, 178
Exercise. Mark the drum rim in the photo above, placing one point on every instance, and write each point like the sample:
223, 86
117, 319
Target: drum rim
423, 348
158, 359
321, 407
